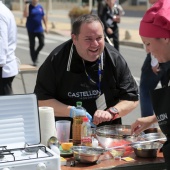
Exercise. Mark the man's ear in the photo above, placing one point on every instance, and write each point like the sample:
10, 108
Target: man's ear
73, 36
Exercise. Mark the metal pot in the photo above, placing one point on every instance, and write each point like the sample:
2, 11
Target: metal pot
87, 154
147, 150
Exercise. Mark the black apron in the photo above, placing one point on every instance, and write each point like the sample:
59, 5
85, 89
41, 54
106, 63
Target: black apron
77, 87
161, 106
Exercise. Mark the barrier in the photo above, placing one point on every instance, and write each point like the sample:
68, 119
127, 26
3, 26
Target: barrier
26, 69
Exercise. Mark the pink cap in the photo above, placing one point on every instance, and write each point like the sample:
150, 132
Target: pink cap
156, 21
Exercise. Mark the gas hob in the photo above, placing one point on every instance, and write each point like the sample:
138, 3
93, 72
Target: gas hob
32, 158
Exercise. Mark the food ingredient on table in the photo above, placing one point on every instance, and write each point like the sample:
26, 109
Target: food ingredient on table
66, 145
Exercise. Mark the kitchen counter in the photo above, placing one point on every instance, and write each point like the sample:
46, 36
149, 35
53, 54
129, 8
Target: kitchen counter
137, 164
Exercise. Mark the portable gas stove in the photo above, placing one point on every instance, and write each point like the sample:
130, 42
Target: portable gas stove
20, 147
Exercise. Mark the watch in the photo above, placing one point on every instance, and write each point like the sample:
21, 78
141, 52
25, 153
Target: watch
113, 111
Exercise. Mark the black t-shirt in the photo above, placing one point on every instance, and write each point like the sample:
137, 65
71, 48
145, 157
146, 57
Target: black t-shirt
55, 82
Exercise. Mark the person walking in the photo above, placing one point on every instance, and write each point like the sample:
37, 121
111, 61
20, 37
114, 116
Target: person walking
87, 69
35, 14
110, 18
8, 42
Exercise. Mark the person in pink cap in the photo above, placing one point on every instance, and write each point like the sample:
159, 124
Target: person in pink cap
155, 33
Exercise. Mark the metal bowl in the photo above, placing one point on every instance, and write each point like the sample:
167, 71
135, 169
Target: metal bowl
148, 150
87, 154
114, 131
109, 135
153, 136
152, 130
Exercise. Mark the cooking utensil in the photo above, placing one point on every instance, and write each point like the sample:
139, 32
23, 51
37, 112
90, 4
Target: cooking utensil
147, 150
114, 131
87, 154
53, 141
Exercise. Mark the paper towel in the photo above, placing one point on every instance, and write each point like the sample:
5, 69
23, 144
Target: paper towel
47, 124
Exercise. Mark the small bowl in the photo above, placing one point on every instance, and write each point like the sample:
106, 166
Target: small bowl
148, 150
118, 152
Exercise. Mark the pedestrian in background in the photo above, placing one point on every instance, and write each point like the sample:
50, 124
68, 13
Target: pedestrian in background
110, 18
151, 75
100, 6
35, 15
8, 41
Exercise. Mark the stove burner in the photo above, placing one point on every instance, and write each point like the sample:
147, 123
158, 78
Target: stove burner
33, 150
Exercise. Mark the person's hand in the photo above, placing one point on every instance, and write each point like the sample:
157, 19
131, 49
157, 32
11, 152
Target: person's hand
78, 112
142, 123
156, 69
116, 18
46, 30
109, 31
101, 116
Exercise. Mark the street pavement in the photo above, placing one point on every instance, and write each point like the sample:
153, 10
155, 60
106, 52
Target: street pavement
59, 23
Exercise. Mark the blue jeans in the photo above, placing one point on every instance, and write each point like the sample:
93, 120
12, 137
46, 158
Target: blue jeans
148, 82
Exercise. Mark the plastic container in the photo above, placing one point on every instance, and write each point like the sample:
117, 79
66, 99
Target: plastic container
77, 122
86, 133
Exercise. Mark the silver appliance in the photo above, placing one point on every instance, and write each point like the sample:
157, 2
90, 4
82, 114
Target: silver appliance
20, 147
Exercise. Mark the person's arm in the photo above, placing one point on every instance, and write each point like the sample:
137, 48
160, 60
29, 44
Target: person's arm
3, 42
60, 109
45, 23
123, 108
26, 10
63, 110
142, 123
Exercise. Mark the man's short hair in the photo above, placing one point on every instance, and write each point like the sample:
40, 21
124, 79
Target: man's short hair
88, 18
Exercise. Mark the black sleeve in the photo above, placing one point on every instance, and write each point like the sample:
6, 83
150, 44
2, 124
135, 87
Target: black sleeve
46, 83
125, 82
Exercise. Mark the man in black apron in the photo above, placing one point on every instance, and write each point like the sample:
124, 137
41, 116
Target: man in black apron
155, 33
89, 70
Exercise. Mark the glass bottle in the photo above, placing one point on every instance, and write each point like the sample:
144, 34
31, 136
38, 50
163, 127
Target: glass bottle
77, 122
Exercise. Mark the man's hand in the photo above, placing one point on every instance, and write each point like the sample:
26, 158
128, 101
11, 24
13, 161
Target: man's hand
101, 116
109, 31
78, 112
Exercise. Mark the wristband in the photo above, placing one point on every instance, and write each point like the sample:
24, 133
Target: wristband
114, 112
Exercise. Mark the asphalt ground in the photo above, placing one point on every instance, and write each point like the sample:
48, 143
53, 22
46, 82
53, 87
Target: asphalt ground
59, 23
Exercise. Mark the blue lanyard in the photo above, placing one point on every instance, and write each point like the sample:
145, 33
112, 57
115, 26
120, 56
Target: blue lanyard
99, 75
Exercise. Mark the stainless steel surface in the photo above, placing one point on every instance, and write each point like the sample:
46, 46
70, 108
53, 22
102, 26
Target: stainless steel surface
154, 136
114, 131
111, 135
53, 141
147, 150
87, 154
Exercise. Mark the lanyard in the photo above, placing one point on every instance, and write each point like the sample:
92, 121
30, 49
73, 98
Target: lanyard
99, 74
100, 68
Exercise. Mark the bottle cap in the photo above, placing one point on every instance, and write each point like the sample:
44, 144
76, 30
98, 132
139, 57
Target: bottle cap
85, 119
78, 103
